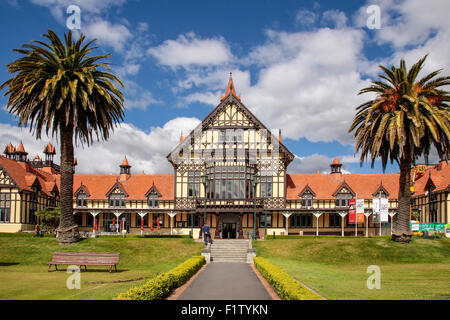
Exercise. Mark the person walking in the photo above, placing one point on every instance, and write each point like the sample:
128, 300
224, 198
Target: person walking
37, 230
206, 233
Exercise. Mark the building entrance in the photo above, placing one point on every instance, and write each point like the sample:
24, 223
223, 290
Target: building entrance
229, 231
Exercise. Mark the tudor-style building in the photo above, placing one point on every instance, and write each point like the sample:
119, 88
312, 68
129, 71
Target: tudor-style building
228, 168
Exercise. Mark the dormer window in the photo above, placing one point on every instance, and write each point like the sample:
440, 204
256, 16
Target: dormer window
81, 199
342, 199
307, 200
153, 201
117, 200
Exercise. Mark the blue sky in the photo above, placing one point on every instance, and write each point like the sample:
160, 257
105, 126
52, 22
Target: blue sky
297, 66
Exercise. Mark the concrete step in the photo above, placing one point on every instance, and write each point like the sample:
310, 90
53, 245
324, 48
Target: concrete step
229, 260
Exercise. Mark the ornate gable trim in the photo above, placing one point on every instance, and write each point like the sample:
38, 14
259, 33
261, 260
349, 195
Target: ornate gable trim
307, 189
382, 189
230, 99
152, 191
117, 188
82, 188
344, 188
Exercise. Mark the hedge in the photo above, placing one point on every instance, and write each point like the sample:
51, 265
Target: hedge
160, 287
286, 287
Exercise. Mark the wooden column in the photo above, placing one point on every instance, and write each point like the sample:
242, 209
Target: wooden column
241, 231
217, 233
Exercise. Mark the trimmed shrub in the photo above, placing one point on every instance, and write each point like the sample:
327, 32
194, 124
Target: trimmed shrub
285, 286
161, 286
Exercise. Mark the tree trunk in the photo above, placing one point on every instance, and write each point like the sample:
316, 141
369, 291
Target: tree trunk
401, 231
68, 230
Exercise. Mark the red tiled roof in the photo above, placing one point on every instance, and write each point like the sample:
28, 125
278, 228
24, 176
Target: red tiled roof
24, 175
336, 161
50, 149
324, 185
440, 176
21, 149
136, 186
125, 162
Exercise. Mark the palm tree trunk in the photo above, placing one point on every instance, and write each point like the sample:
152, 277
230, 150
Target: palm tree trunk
68, 230
401, 231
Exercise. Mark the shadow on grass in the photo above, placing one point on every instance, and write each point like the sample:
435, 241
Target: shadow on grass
92, 270
7, 264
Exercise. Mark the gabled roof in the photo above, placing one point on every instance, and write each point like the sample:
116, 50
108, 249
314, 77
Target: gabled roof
380, 189
307, 189
117, 185
342, 186
136, 186
82, 188
439, 175
231, 99
153, 190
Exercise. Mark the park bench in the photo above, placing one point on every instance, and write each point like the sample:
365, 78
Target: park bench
84, 259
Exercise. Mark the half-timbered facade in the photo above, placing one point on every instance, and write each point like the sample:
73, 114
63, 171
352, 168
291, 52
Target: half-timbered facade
230, 169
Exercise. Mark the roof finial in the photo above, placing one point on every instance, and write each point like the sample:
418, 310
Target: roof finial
230, 89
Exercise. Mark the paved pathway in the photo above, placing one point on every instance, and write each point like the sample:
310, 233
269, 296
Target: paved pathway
226, 281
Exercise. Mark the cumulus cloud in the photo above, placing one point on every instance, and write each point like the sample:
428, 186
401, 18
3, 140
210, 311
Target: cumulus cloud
305, 18
312, 164
113, 35
189, 50
145, 150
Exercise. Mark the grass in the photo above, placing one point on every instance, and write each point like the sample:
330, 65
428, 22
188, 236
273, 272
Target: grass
337, 267
23, 265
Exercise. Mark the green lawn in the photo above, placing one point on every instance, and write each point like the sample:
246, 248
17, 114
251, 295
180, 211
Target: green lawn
337, 267
23, 265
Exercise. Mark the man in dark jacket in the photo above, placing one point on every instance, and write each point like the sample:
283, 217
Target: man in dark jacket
206, 233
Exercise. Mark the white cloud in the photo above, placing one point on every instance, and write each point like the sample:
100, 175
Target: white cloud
88, 7
189, 50
113, 35
312, 164
146, 151
305, 18
337, 18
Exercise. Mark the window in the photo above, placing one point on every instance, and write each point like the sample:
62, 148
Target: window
117, 200
267, 218
335, 220
307, 200
342, 199
432, 198
33, 206
153, 201
81, 199
52, 199
231, 182
161, 220
138, 220
196, 219
266, 186
301, 221
5, 207
194, 183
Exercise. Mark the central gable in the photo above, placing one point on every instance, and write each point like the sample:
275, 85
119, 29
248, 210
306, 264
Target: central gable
230, 121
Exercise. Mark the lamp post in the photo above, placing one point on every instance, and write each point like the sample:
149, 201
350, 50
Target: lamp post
254, 183
205, 185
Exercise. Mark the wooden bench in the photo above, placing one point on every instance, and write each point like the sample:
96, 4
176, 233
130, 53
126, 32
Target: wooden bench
84, 259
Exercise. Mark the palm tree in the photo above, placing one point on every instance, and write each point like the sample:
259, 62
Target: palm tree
406, 117
57, 86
